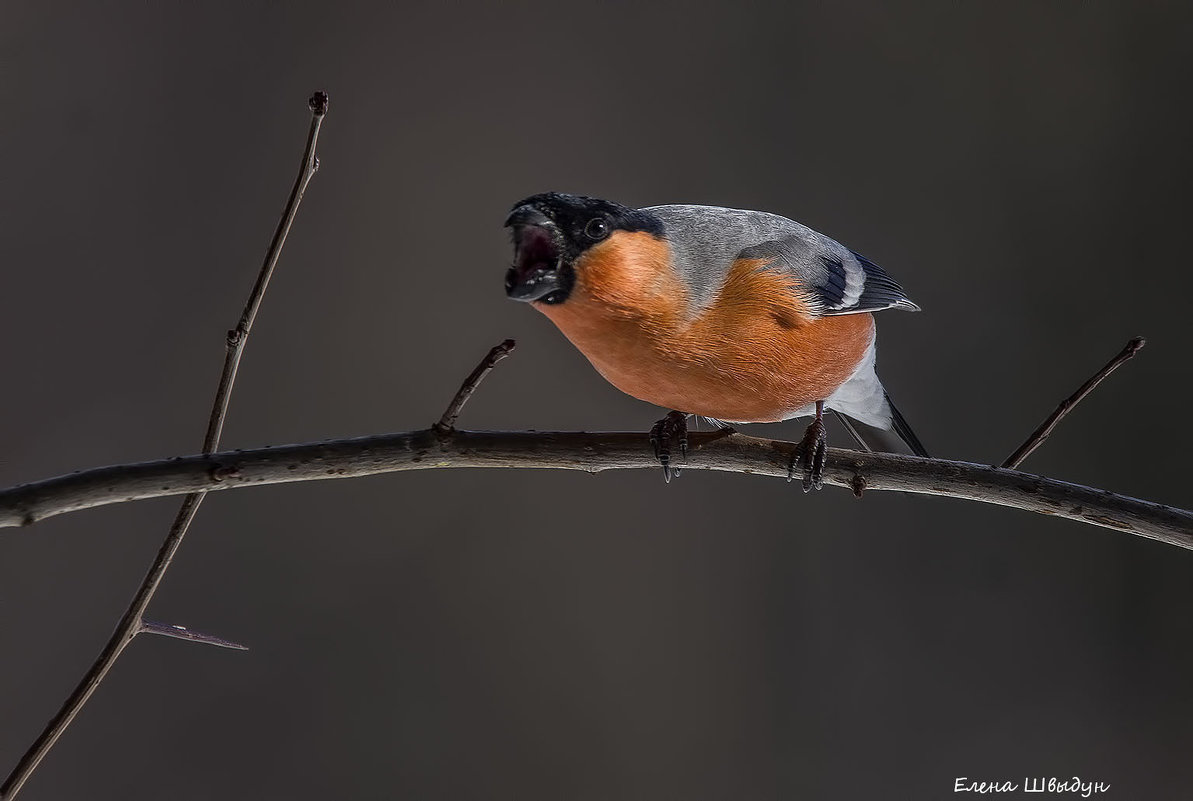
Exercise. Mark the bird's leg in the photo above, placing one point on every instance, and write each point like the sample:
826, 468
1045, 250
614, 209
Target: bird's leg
810, 453
672, 429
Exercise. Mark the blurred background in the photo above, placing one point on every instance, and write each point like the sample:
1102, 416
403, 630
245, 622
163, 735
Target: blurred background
1022, 168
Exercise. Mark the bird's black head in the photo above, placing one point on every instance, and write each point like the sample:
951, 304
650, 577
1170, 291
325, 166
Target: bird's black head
552, 230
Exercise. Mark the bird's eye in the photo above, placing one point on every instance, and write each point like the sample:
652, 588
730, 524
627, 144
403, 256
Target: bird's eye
597, 228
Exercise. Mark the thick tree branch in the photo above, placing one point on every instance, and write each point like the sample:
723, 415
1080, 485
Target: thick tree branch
594, 452
132, 622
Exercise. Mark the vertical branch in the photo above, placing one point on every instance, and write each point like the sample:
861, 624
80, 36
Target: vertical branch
240, 334
132, 622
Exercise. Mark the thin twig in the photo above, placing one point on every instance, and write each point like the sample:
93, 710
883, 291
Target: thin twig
1040, 434
183, 633
132, 621
593, 452
452, 413
238, 335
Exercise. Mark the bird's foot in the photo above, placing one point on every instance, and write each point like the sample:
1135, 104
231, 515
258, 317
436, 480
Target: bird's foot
809, 454
671, 430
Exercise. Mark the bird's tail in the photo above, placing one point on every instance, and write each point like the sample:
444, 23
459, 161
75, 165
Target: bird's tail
899, 438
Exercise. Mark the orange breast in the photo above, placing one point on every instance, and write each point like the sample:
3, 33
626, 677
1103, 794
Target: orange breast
753, 355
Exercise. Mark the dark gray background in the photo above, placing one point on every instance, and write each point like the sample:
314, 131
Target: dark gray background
1022, 168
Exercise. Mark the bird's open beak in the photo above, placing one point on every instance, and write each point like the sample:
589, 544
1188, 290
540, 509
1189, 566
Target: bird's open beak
536, 273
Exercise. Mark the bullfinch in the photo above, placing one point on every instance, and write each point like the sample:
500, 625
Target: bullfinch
737, 316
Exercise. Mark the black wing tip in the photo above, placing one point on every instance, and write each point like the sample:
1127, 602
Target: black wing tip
881, 287
904, 430
899, 438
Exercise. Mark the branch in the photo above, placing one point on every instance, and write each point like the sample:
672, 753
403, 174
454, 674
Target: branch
1040, 434
238, 336
183, 633
133, 623
593, 452
452, 413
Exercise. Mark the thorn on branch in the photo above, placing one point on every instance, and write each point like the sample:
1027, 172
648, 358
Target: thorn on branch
447, 423
183, 633
1038, 436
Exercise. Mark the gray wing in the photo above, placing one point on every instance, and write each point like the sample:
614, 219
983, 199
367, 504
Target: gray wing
708, 239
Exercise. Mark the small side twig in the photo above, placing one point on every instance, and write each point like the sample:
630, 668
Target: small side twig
133, 623
447, 423
183, 633
1038, 436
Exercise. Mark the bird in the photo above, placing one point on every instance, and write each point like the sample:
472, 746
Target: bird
734, 315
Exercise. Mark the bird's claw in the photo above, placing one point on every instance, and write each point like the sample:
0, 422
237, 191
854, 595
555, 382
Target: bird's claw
672, 429
810, 455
